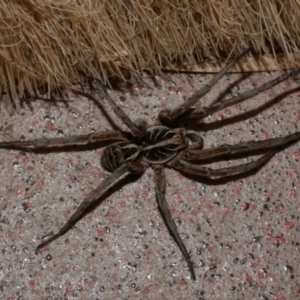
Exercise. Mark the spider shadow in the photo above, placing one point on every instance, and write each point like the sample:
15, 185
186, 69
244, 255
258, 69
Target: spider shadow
100, 106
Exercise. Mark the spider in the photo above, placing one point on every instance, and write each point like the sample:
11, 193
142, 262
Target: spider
168, 144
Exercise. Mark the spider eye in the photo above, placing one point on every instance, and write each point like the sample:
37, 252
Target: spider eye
115, 155
195, 140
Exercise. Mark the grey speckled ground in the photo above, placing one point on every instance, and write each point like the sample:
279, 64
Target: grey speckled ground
243, 235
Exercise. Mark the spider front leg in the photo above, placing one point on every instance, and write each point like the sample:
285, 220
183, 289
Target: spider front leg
203, 112
135, 129
171, 118
160, 187
128, 168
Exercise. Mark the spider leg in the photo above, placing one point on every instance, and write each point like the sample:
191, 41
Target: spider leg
135, 129
129, 168
174, 115
101, 136
160, 187
243, 148
206, 111
189, 168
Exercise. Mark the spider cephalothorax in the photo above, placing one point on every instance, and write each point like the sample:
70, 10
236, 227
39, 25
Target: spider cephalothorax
166, 145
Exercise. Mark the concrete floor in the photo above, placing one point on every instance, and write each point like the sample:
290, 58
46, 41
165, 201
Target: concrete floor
243, 235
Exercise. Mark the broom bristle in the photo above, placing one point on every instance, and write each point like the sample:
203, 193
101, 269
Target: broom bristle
47, 42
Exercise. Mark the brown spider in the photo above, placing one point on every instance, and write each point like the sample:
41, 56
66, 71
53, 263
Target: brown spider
166, 145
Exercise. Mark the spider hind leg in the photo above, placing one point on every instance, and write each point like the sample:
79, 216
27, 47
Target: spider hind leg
160, 187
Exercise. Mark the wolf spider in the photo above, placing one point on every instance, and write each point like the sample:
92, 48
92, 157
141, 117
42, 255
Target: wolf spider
166, 145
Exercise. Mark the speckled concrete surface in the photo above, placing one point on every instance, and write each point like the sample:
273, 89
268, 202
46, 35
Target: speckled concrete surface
243, 235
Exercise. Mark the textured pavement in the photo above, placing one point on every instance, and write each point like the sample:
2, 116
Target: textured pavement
243, 235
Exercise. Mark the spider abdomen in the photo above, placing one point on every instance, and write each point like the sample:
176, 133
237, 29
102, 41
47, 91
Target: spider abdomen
115, 155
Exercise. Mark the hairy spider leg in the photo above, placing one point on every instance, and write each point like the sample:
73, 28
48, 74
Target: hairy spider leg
203, 112
193, 169
160, 187
243, 148
180, 110
135, 129
96, 84
101, 136
116, 176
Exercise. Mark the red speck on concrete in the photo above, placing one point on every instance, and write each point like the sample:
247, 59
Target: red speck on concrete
289, 225
238, 106
69, 291
262, 274
268, 181
280, 240
209, 279
95, 171
182, 282
177, 198
278, 297
26, 160
49, 126
122, 203
211, 249
296, 154
112, 214
219, 116
245, 206
86, 193
34, 123
145, 193
254, 265
101, 232
146, 290
30, 205
8, 234
32, 283
208, 207
66, 213
293, 193
248, 278
227, 111
266, 134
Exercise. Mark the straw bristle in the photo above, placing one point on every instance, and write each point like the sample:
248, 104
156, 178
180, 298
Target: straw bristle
47, 42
